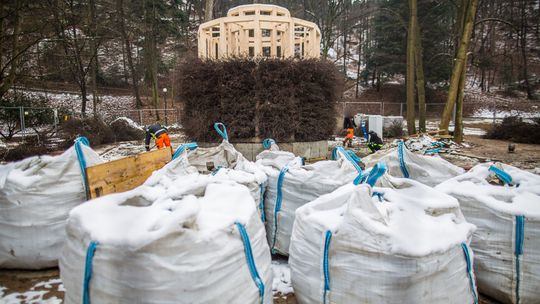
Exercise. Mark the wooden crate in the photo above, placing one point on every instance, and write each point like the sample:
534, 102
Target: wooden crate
126, 173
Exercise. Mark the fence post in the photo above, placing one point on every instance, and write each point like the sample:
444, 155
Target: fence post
401, 109
140, 117
55, 111
494, 111
21, 116
382, 108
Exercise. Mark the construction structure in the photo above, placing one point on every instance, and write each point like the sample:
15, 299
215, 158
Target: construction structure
258, 30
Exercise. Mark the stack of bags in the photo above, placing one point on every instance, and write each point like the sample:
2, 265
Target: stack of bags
429, 170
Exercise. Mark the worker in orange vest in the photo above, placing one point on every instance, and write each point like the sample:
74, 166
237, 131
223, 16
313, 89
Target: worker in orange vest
160, 134
348, 137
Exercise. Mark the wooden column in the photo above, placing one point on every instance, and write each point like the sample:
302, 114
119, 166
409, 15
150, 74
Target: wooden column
258, 38
222, 40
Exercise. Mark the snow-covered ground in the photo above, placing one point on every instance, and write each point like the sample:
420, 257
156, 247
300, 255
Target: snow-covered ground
488, 113
35, 295
73, 101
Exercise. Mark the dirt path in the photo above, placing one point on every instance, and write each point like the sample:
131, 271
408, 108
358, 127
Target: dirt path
526, 156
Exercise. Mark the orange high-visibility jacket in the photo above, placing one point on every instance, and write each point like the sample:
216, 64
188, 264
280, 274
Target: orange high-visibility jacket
350, 133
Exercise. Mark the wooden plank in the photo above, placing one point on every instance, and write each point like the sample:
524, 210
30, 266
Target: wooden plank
126, 173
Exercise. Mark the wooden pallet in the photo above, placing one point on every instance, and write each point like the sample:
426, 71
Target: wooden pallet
126, 173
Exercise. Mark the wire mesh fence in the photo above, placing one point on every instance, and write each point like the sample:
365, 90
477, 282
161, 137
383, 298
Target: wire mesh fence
473, 109
30, 121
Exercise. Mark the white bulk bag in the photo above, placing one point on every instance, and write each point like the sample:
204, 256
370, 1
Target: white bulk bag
223, 160
36, 195
291, 185
507, 241
429, 170
400, 243
195, 241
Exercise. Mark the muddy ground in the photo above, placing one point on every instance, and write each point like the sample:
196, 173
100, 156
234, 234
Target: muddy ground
18, 286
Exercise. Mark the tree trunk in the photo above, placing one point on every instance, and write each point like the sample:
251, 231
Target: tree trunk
344, 20
523, 47
127, 44
358, 66
7, 83
153, 60
94, 49
458, 128
420, 82
457, 69
411, 128
208, 10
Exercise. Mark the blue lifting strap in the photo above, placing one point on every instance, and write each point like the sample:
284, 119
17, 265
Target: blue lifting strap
82, 162
88, 271
267, 143
467, 254
279, 198
251, 261
401, 152
190, 146
501, 174
222, 130
376, 172
326, 272
261, 202
349, 155
520, 237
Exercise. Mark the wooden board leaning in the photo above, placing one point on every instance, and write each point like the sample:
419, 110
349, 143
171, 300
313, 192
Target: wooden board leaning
126, 173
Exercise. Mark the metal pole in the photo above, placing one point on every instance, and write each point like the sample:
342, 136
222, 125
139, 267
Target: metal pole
165, 101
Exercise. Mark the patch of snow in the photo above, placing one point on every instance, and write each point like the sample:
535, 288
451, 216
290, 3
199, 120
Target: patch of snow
113, 105
120, 150
32, 296
332, 53
282, 278
487, 113
47, 284
130, 122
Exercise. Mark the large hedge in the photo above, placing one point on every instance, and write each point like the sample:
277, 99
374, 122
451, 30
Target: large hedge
288, 100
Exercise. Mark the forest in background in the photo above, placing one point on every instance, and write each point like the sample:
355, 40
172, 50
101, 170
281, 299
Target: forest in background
138, 45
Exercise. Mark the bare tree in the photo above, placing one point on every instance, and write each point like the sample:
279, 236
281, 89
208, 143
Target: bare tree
411, 52
469, 11
126, 41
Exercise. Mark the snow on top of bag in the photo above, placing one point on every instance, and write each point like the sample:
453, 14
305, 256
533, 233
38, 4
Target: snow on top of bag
429, 170
140, 216
30, 172
278, 159
412, 219
522, 198
228, 163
